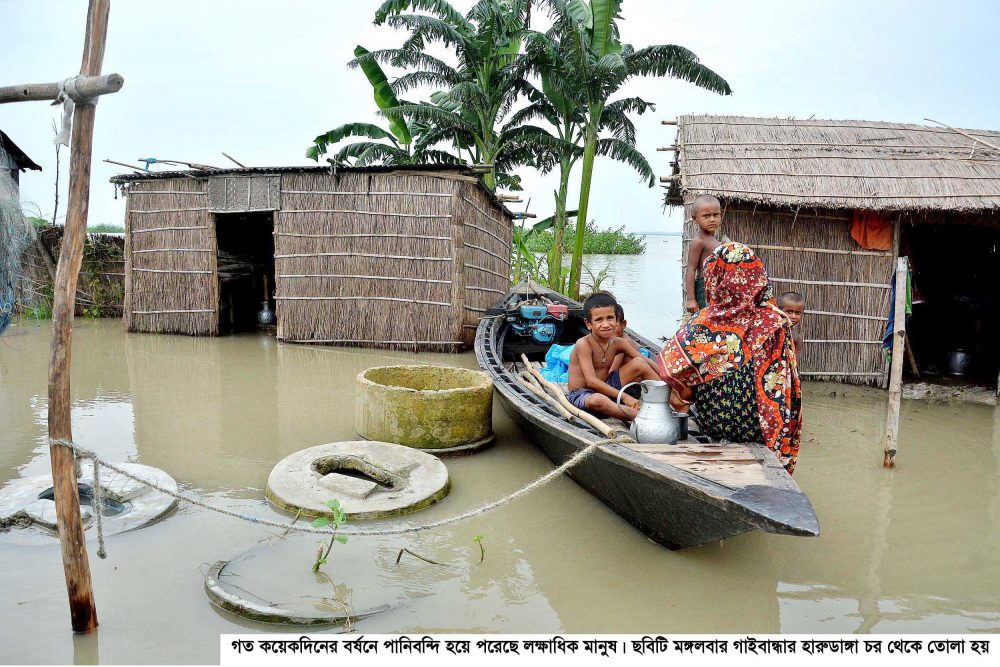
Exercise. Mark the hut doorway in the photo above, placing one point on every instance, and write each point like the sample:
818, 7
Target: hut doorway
246, 268
956, 295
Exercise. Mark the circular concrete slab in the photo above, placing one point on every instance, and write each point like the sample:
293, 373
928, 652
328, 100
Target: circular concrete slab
441, 409
370, 479
27, 503
274, 583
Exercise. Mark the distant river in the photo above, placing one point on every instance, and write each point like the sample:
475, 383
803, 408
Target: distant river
646, 285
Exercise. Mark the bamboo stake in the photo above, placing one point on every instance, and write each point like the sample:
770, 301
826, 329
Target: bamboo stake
76, 567
604, 429
896, 373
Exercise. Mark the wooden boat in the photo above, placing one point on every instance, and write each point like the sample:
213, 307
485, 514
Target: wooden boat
684, 495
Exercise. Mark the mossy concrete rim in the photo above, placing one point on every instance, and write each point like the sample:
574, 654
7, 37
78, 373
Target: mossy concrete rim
378, 480
441, 409
472, 379
130, 505
458, 450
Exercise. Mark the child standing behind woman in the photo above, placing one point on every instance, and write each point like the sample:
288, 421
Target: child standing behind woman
707, 214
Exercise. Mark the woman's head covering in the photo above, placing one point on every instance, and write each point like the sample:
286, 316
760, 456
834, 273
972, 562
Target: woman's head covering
742, 324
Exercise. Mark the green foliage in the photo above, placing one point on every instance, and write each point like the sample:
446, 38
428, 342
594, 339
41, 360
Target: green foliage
41, 223
473, 101
382, 91
336, 519
41, 307
584, 59
478, 539
596, 281
610, 241
105, 229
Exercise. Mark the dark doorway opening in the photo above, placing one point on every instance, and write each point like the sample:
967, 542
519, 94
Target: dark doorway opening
956, 292
246, 268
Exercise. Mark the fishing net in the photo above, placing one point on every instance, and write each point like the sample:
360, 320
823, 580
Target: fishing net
15, 236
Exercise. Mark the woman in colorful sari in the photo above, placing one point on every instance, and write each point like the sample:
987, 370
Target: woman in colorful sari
736, 360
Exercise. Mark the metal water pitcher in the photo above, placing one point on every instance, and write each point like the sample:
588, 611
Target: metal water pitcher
656, 422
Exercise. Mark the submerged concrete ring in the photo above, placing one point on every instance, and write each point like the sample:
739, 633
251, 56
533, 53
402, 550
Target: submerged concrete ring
428, 407
128, 504
370, 479
271, 582
222, 597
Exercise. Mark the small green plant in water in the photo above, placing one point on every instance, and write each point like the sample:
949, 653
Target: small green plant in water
336, 519
478, 539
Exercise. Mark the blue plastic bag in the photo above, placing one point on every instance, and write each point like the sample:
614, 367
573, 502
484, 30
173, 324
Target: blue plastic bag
557, 363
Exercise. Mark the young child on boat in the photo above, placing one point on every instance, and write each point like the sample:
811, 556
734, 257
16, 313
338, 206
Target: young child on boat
620, 332
794, 305
593, 385
707, 214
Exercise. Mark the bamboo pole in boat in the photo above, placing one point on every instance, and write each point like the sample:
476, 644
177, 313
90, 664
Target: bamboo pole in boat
896, 371
537, 390
605, 430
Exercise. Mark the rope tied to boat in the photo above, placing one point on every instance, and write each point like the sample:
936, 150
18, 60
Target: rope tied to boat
98, 462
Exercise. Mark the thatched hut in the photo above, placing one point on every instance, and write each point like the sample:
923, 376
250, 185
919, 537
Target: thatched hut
402, 257
830, 204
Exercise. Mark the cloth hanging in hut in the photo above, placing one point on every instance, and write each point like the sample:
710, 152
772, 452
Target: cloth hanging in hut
890, 325
871, 230
742, 326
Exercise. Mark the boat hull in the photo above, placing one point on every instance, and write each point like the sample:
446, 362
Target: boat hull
656, 489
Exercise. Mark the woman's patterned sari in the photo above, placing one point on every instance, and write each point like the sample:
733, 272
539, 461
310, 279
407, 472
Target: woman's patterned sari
742, 331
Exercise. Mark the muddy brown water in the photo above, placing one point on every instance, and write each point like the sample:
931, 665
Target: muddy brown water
915, 550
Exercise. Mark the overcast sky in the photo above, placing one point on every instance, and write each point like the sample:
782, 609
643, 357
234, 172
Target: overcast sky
260, 79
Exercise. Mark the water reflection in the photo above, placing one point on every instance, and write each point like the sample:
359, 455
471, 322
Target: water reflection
908, 550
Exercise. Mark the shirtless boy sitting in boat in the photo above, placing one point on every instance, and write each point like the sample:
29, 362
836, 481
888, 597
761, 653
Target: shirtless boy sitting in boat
593, 385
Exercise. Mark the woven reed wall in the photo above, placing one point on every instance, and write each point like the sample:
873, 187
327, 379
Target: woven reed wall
846, 345
369, 259
170, 258
487, 236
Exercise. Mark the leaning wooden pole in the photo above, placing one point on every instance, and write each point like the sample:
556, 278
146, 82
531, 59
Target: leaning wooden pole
76, 567
896, 368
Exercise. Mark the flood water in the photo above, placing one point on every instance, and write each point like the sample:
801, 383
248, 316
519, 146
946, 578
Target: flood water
910, 550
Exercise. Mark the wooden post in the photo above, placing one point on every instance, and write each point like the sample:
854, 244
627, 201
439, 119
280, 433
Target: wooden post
896, 369
76, 567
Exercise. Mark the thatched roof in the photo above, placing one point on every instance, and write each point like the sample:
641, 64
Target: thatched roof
836, 164
440, 170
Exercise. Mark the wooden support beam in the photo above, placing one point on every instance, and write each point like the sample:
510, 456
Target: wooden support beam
89, 86
896, 369
668, 122
670, 179
76, 567
666, 148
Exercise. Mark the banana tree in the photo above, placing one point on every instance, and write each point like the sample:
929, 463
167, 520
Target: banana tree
408, 143
556, 103
474, 97
596, 65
